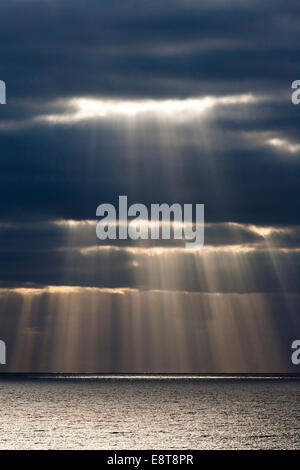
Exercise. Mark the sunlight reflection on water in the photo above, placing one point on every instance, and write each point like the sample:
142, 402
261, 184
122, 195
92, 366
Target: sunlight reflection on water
149, 413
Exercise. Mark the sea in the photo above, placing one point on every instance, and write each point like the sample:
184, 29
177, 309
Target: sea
155, 412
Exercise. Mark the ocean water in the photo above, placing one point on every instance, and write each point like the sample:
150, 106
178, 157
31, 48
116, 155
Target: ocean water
149, 413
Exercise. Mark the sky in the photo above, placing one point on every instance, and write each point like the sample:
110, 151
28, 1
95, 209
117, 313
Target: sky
163, 101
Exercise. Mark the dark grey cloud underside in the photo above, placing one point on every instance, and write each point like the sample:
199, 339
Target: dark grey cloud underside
147, 48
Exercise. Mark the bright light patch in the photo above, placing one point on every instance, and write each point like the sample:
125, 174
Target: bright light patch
81, 109
169, 250
267, 231
65, 290
284, 144
74, 223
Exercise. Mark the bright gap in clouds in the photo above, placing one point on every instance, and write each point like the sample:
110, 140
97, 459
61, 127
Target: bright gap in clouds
80, 109
284, 144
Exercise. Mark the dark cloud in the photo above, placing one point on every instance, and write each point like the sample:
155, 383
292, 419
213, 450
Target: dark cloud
54, 48
66, 172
